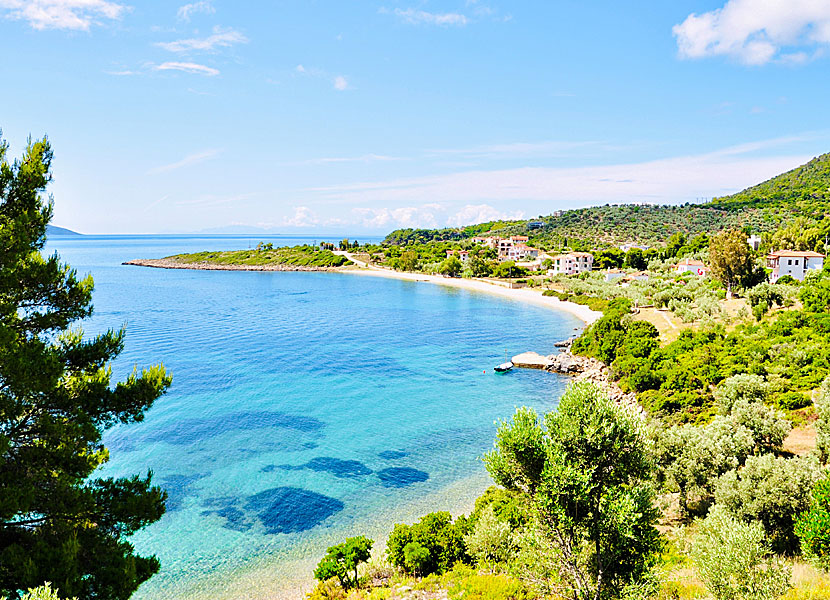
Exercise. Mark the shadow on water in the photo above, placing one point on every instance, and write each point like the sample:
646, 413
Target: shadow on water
397, 477
280, 510
326, 464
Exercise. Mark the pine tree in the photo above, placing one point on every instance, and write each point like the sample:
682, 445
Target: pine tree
58, 523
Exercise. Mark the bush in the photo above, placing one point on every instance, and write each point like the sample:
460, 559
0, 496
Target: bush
438, 535
822, 405
813, 527
491, 540
342, 560
744, 386
733, 560
773, 491
507, 505
792, 400
768, 426
44, 592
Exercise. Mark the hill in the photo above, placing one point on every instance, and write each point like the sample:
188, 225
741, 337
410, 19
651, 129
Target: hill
803, 192
55, 230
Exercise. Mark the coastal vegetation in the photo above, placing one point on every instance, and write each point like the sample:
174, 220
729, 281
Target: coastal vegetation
583, 489
60, 523
265, 254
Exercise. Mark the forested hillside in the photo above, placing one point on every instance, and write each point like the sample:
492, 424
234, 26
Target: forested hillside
802, 193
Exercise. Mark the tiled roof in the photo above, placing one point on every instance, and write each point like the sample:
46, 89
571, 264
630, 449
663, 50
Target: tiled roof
798, 253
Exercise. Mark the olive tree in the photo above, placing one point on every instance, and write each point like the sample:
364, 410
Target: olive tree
691, 458
773, 491
586, 470
734, 562
822, 406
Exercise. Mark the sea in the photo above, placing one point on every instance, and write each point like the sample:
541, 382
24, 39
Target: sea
306, 407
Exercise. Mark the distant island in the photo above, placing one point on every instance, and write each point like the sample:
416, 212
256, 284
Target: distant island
55, 230
262, 258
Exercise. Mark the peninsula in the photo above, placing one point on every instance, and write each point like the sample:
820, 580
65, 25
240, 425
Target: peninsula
262, 258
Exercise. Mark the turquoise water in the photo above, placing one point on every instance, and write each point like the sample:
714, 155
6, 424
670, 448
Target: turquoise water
305, 407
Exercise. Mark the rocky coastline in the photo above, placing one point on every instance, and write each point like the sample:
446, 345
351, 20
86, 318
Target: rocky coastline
164, 263
581, 368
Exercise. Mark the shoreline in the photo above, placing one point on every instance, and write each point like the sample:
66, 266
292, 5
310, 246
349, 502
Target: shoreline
163, 263
527, 295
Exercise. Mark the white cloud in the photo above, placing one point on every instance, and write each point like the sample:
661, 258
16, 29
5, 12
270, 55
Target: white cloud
203, 6
190, 159
480, 213
340, 83
422, 17
221, 38
756, 32
63, 14
187, 67
365, 158
300, 69
303, 217
664, 181
522, 149
405, 216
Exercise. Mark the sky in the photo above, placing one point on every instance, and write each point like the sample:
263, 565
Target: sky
363, 116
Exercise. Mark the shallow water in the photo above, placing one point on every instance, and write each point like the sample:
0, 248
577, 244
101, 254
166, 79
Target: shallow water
306, 407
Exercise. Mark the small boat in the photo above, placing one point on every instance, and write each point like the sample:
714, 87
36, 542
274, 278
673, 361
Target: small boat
503, 367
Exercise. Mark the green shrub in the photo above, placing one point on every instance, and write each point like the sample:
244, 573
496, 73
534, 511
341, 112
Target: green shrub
733, 560
480, 586
507, 505
792, 400
813, 527
438, 534
491, 540
341, 561
44, 592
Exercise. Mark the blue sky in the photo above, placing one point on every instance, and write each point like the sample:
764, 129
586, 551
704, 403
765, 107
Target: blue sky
363, 116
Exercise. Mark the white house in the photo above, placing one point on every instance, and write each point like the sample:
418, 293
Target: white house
692, 265
630, 246
463, 255
612, 274
795, 263
573, 263
754, 241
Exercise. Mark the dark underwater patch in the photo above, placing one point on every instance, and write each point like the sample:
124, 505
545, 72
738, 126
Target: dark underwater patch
401, 476
392, 454
191, 431
292, 510
226, 507
327, 464
178, 488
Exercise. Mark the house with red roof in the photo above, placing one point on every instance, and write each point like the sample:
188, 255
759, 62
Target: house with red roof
692, 265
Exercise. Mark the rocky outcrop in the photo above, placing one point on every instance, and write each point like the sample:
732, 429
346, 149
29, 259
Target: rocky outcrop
584, 368
532, 360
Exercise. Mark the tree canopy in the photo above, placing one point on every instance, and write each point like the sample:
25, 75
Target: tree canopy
587, 474
59, 523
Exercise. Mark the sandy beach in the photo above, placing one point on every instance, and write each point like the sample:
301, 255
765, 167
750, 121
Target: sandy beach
528, 295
